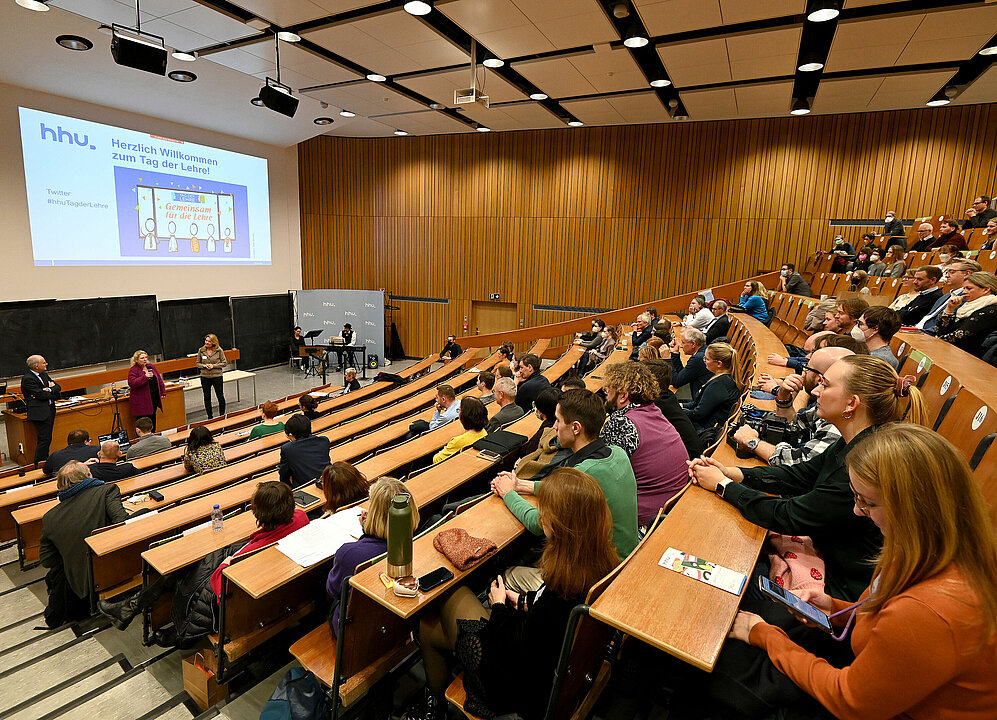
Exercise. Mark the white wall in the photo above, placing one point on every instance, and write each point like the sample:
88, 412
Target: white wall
21, 280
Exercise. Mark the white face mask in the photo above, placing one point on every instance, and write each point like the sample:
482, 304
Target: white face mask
784, 273
857, 334
875, 258
944, 257
889, 218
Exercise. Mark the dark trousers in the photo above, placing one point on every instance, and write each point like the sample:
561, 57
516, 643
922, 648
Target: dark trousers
63, 604
43, 429
213, 382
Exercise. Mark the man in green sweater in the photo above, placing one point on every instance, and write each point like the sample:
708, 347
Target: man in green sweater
579, 417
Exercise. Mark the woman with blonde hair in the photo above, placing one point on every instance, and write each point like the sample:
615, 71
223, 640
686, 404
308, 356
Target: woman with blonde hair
146, 386
211, 362
894, 261
719, 395
509, 650
925, 631
969, 318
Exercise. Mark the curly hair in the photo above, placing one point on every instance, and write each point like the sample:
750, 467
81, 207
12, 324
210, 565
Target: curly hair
635, 379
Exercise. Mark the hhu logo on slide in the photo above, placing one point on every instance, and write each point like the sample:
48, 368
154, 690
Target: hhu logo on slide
60, 135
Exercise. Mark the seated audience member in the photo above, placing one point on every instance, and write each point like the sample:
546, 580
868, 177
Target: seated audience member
796, 364
925, 238
579, 418
969, 318
203, 453
862, 261
893, 228
699, 316
924, 637
590, 358
350, 380
718, 396
859, 282
450, 349
877, 268
720, 325
816, 317
642, 332
305, 456
85, 504
308, 406
445, 410
814, 434
663, 330
906, 283
894, 262
78, 447
505, 397
635, 424
593, 339
754, 301
878, 325
148, 441
925, 293
652, 312
342, 485
648, 352
947, 254
791, 281
268, 425
670, 407
843, 254
857, 394
532, 382
542, 452
107, 468
979, 214
990, 234
506, 351
955, 277
505, 371
572, 382
485, 384
514, 366
509, 650
848, 311
473, 417
372, 543
197, 588
948, 234
694, 372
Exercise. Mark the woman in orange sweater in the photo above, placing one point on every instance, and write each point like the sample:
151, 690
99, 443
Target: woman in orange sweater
925, 633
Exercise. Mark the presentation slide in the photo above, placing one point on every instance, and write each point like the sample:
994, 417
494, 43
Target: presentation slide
102, 195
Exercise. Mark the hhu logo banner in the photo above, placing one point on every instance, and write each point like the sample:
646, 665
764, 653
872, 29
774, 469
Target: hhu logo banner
65, 136
329, 310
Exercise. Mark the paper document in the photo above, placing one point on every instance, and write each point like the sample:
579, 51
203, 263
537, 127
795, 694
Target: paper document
320, 539
703, 570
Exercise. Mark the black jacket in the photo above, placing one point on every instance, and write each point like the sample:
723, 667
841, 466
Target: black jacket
693, 374
38, 396
673, 412
301, 461
529, 390
112, 472
452, 349
714, 402
912, 312
968, 333
78, 451
638, 339
718, 329
195, 609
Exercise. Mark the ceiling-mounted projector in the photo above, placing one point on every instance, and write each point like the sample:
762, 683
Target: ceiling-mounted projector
139, 50
278, 98
469, 96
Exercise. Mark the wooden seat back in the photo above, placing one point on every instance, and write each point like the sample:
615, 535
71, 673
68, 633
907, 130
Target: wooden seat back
967, 422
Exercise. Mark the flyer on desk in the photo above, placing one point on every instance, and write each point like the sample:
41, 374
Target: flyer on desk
703, 570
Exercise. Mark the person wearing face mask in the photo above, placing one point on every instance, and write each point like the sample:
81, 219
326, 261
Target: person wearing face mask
848, 311
947, 254
893, 228
589, 341
968, 318
877, 268
791, 281
948, 234
843, 254
877, 327
858, 282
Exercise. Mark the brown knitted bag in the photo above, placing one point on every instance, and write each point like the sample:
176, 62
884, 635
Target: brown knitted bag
463, 550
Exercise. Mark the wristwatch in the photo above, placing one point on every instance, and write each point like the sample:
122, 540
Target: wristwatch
720, 487
752, 443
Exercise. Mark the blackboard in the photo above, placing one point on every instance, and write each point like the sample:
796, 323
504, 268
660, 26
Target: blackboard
262, 329
184, 324
72, 333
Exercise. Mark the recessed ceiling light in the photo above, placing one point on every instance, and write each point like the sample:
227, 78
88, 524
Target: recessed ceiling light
418, 7
538, 96
801, 106
435, 106
182, 76
288, 36
323, 121
188, 56
482, 128
493, 62
823, 10
374, 77
661, 82
400, 133
347, 113
635, 38
257, 102
575, 123
990, 50
938, 102
810, 66
36, 5
74, 42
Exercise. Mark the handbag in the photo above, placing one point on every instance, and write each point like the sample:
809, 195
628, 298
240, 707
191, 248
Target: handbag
298, 696
501, 442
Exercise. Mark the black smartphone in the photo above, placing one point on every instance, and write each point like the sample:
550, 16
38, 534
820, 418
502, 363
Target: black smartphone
435, 578
798, 606
156, 495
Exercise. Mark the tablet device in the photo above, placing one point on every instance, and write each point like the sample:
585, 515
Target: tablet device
798, 606
303, 499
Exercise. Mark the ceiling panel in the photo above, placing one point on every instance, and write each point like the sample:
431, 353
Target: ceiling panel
176, 36
984, 90
628, 109
597, 111
950, 35
427, 122
367, 99
710, 104
763, 55
676, 16
242, 61
284, 12
359, 127
766, 100
105, 11
870, 43
206, 21
159, 8
569, 23
696, 63
440, 86
499, 25
316, 68
513, 117
602, 71
739, 11
905, 91
849, 95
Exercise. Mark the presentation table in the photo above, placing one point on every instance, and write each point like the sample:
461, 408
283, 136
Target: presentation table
95, 414
228, 376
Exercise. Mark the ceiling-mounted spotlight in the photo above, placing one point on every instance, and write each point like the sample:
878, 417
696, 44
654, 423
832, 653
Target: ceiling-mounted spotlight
482, 128
635, 38
801, 106
288, 36
418, 7
323, 121
939, 99
951, 92
323, 104
347, 113
257, 102
660, 82
823, 10
186, 56
74, 42
493, 62
810, 62
182, 76
374, 77
400, 133
277, 96
620, 10
575, 123
139, 50
36, 5
538, 96
990, 49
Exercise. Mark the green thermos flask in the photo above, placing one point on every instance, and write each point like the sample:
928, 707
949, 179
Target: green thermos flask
400, 536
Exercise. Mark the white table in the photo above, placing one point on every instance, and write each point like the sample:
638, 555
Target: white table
229, 376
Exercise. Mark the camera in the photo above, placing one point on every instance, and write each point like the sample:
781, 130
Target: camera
771, 428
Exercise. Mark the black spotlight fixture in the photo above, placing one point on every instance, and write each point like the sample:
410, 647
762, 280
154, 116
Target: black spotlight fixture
138, 50
257, 102
275, 94
183, 76
74, 42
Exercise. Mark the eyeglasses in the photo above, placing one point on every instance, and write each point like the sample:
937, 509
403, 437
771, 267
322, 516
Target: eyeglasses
862, 504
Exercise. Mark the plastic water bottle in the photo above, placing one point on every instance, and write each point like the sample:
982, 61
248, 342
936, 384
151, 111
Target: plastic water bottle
216, 518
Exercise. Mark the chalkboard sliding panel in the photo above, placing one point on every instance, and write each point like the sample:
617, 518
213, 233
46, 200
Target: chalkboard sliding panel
184, 323
262, 329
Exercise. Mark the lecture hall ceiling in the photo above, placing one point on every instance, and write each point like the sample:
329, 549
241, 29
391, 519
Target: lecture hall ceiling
564, 61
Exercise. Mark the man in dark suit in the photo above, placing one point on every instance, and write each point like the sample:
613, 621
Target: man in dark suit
694, 372
107, 467
40, 393
720, 325
78, 447
532, 382
925, 282
305, 457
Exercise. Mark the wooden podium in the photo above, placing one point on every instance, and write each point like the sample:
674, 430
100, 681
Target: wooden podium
95, 415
